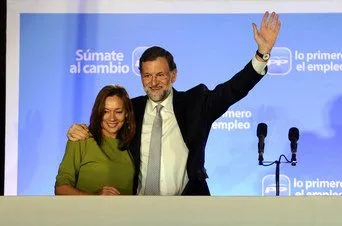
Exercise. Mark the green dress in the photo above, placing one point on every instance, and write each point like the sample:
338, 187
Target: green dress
88, 167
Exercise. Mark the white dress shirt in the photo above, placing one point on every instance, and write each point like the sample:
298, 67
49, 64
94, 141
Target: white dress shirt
174, 152
259, 66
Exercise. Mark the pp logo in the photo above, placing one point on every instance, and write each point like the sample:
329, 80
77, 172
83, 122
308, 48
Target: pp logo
280, 62
137, 52
269, 186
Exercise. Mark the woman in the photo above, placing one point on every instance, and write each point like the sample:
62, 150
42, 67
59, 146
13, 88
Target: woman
101, 165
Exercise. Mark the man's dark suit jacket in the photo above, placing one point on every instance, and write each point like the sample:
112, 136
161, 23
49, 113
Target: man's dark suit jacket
196, 109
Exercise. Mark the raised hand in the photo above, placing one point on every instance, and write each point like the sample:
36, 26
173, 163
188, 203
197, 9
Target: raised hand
268, 33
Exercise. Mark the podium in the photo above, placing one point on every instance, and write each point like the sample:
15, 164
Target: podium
170, 211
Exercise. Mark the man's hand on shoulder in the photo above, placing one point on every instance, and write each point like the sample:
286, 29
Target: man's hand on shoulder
78, 132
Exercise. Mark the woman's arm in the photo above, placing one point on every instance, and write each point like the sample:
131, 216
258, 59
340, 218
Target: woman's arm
67, 189
68, 170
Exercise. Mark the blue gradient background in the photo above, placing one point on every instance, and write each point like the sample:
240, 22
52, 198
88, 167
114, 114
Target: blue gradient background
208, 48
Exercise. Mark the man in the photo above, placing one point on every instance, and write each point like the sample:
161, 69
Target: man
185, 118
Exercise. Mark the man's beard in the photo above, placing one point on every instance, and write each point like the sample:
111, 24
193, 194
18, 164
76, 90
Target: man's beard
159, 97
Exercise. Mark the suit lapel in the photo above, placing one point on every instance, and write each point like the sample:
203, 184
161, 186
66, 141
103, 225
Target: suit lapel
178, 108
139, 105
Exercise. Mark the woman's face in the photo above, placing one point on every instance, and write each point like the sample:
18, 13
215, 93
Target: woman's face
114, 116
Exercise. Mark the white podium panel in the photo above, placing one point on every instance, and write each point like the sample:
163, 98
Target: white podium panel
170, 211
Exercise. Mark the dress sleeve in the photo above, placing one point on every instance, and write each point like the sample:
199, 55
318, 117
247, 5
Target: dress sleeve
70, 165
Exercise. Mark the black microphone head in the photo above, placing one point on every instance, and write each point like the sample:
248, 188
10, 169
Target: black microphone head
293, 134
262, 129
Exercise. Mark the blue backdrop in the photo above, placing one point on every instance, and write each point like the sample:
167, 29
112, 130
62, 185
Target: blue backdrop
65, 59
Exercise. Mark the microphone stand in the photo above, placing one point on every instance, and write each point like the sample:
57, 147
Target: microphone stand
277, 171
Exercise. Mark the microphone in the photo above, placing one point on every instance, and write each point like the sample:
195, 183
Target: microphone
293, 137
261, 134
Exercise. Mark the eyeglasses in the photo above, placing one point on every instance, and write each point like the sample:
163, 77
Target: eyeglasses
159, 76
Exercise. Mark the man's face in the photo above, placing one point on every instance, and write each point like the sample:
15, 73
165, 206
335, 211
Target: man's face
157, 79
